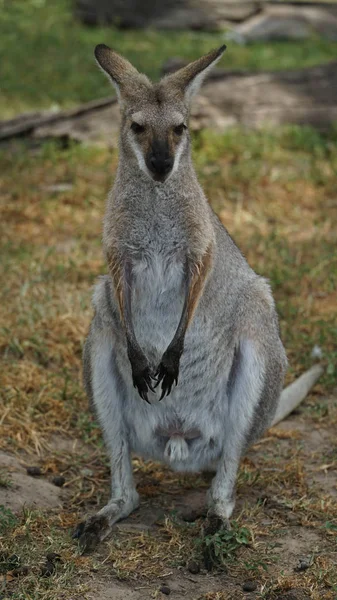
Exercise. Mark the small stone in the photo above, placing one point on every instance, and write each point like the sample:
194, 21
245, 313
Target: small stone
47, 569
303, 564
193, 567
53, 557
249, 586
34, 471
58, 480
165, 590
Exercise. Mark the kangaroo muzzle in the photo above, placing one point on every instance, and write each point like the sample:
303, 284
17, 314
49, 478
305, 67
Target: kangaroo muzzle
160, 161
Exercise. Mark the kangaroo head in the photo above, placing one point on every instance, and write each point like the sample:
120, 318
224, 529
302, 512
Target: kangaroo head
154, 127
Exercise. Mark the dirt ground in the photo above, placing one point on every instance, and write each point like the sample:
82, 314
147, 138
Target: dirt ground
287, 490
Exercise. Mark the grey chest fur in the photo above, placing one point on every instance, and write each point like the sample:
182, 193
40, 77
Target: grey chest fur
157, 301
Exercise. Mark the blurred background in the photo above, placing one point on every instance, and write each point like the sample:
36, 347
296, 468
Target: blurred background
265, 149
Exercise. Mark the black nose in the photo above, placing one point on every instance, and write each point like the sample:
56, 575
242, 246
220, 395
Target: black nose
160, 165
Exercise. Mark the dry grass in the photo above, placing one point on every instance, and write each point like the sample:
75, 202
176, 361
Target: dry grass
276, 194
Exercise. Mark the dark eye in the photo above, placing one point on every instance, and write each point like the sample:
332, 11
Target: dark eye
137, 128
178, 130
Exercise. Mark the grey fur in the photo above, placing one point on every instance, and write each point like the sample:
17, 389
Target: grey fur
233, 363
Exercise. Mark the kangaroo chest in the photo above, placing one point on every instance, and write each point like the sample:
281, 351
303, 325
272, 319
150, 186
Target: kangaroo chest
157, 301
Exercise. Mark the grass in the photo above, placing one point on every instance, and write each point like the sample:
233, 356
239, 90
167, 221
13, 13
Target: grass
275, 192
220, 548
48, 57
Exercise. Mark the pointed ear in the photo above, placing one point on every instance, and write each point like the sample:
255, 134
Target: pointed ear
124, 76
189, 79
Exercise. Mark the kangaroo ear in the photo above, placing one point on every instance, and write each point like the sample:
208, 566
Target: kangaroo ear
124, 76
189, 79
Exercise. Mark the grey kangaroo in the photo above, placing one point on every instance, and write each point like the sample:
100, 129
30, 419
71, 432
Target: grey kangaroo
183, 362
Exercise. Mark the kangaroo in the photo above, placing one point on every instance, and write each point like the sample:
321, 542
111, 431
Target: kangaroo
183, 362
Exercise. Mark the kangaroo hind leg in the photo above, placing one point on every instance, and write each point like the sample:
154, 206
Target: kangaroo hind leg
106, 392
253, 391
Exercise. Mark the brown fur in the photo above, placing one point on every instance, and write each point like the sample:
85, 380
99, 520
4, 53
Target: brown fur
121, 71
198, 283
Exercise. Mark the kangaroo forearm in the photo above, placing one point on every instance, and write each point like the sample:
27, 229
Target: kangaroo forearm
121, 272
195, 279
126, 286
141, 370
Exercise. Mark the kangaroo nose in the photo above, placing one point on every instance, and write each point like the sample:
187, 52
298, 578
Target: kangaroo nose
161, 165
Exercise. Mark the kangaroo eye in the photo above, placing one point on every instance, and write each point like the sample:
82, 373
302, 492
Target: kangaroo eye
137, 128
178, 130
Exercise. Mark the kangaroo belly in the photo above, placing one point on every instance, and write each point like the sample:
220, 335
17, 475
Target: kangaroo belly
185, 430
190, 449
157, 302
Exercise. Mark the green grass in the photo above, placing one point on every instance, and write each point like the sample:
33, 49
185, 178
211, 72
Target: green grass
47, 57
221, 547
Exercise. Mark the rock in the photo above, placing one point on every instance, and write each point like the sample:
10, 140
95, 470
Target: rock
164, 589
13, 560
99, 127
249, 586
26, 490
34, 471
167, 14
47, 569
304, 96
303, 564
284, 23
58, 480
53, 557
205, 115
193, 567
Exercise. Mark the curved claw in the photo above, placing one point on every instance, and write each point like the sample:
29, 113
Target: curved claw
142, 381
167, 375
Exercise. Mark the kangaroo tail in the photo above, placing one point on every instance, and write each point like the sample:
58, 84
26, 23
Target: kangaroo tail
293, 395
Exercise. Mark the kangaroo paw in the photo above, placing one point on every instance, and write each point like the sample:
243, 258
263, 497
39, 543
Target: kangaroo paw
95, 529
168, 372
